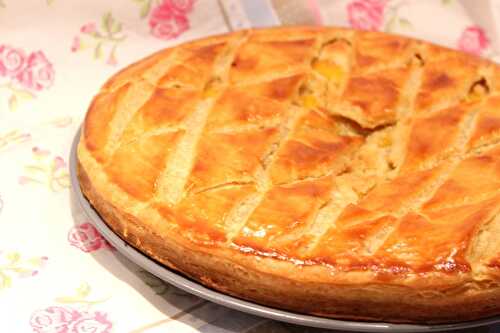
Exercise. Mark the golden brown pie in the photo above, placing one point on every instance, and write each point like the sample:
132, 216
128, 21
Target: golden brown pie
325, 171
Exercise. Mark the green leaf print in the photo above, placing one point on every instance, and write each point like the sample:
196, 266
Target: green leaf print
107, 21
5, 281
404, 23
83, 291
104, 39
145, 7
98, 51
115, 27
159, 286
81, 296
14, 266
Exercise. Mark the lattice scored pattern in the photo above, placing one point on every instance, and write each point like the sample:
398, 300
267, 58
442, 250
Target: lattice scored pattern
352, 150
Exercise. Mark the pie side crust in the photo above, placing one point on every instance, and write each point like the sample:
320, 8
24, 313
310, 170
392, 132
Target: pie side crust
345, 174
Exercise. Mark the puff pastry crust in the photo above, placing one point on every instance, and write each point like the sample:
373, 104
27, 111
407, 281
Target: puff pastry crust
326, 171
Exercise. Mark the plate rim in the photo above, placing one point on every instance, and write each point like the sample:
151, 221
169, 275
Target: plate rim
178, 280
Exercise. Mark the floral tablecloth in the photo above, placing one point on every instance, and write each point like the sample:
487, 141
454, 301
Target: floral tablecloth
57, 274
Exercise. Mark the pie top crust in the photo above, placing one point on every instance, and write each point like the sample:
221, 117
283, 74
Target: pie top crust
312, 159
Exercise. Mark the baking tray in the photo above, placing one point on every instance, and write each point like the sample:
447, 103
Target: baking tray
180, 281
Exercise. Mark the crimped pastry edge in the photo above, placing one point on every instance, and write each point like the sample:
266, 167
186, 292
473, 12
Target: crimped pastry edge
245, 276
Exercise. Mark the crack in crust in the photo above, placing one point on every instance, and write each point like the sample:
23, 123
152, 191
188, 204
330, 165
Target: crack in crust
327, 147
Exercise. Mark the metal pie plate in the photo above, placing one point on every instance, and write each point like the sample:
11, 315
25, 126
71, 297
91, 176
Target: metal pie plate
180, 281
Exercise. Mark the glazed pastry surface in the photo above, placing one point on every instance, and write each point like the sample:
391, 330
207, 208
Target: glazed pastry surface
326, 171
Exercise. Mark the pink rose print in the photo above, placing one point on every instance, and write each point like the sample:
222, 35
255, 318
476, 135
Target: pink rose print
169, 29
24, 74
98, 323
88, 28
75, 45
59, 163
366, 14
180, 6
112, 59
54, 319
166, 22
86, 237
57, 319
12, 61
39, 152
39, 73
473, 40
169, 18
